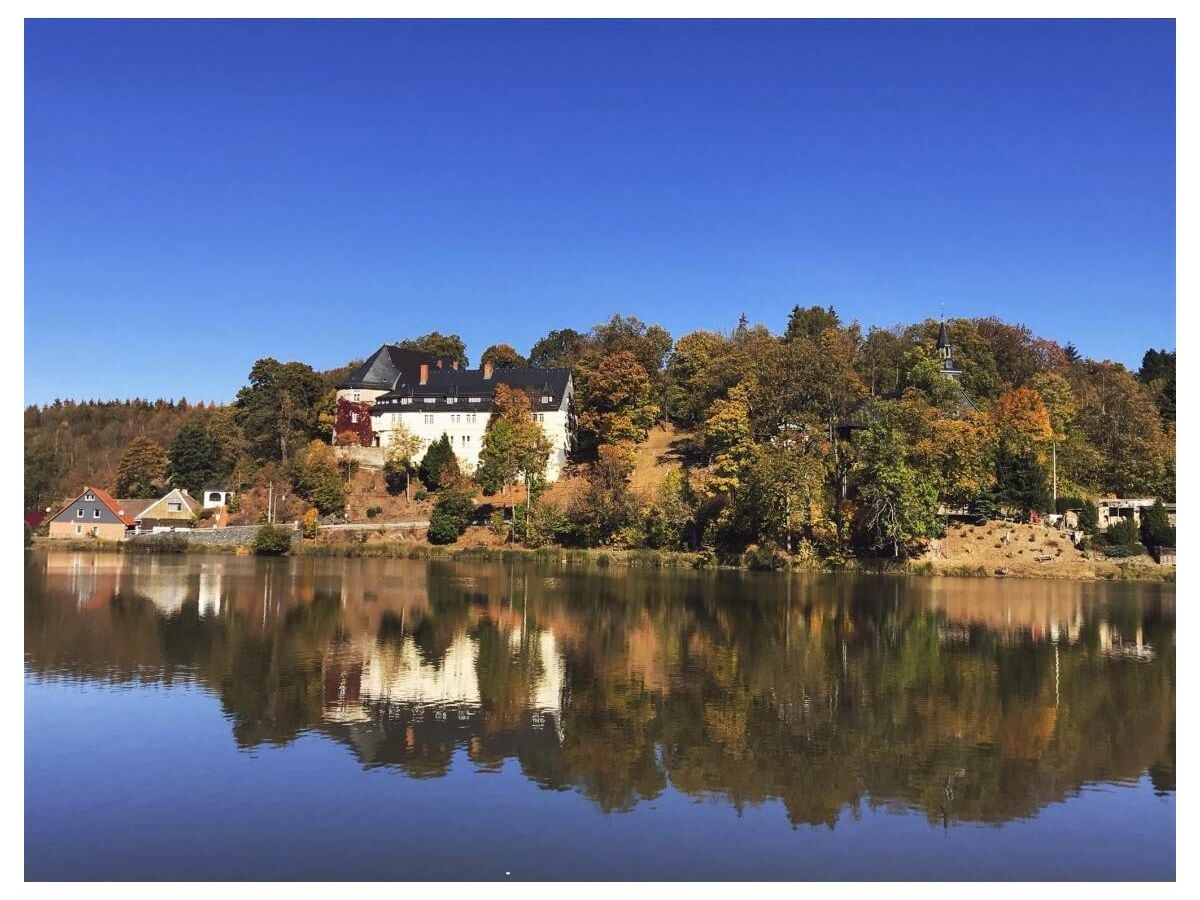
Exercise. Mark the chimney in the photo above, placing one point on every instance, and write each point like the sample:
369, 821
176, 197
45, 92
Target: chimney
424, 373
487, 371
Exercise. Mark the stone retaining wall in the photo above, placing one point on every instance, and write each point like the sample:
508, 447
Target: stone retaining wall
230, 536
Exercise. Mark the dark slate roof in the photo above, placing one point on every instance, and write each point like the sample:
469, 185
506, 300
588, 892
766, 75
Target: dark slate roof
453, 389
943, 337
388, 364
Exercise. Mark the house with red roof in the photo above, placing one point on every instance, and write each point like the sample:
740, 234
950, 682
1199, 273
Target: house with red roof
94, 513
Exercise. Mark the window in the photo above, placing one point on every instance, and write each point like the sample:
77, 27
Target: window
79, 529
96, 513
454, 417
451, 440
395, 418
357, 396
174, 507
79, 513
547, 399
470, 418
466, 439
353, 418
428, 418
214, 496
405, 400
472, 399
431, 399
89, 496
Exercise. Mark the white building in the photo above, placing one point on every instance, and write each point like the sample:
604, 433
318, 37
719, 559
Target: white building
430, 396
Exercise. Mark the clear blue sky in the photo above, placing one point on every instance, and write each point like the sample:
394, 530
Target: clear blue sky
202, 194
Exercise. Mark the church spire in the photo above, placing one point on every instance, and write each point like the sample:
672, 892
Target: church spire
946, 351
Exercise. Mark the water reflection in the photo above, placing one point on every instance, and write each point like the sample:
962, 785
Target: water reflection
966, 700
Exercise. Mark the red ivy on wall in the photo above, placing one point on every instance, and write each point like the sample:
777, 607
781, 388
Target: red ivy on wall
354, 418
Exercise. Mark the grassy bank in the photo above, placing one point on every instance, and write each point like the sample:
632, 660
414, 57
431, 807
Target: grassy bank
1107, 570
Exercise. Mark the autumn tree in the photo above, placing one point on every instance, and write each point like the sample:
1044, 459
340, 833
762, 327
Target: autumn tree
317, 478
399, 458
503, 356
515, 445
142, 469
617, 401
448, 345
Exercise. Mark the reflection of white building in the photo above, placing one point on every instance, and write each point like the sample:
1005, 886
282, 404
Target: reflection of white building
210, 590
398, 674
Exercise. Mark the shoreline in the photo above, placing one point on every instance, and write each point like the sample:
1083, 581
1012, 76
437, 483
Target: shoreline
631, 559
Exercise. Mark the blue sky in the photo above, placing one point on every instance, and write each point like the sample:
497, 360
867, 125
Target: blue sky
202, 194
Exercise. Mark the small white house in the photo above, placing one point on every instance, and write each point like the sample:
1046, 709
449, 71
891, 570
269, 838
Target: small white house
216, 497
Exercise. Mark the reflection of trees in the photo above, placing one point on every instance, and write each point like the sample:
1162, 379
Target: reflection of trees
823, 694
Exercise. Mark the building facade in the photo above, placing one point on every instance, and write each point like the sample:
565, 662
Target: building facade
458, 403
92, 514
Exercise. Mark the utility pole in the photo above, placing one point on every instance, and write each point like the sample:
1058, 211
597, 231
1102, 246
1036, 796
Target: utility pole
1054, 468
270, 502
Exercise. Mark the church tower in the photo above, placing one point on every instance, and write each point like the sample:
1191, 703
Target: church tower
946, 352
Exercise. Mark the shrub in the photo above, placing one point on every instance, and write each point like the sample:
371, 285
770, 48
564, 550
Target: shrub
373, 511
272, 540
206, 513
310, 524
450, 517
159, 543
496, 523
1122, 533
421, 494
1123, 550
1156, 530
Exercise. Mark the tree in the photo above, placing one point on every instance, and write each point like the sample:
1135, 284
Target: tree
649, 344
439, 465
559, 349
142, 469
450, 516
1125, 449
449, 345
514, 444
1156, 528
402, 450
899, 503
317, 478
728, 443
503, 356
810, 323
280, 408
1158, 374
616, 401
1021, 480
605, 507
196, 459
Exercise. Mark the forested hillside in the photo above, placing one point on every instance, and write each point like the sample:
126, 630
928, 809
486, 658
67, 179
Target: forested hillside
822, 435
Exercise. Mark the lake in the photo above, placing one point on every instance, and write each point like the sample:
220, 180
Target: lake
222, 717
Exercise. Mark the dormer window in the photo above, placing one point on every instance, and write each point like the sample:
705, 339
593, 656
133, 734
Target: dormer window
547, 399
89, 496
472, 399
431, 399
406, 400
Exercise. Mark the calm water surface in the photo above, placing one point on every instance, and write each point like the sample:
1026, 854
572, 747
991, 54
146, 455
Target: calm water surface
230, 718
